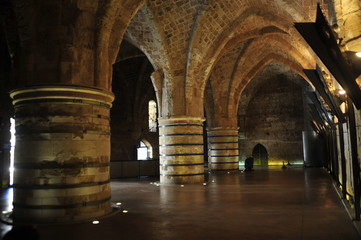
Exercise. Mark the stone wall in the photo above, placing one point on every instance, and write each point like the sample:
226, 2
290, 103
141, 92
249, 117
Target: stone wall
274, 118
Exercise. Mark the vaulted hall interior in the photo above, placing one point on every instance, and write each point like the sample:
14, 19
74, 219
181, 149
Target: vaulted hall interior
167, 103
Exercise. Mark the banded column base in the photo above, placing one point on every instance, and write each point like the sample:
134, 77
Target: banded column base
181, 154
223, 149
62, 154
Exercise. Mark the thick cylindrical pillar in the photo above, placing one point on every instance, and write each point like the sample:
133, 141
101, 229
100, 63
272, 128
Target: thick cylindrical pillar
223, 149
62, 153
181, 150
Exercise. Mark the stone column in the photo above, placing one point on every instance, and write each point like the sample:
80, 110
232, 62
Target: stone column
181, 153
223, 149
62, 153
351, 22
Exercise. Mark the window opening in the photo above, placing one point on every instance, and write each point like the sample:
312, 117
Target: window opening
12, 149
144, 151
152, 114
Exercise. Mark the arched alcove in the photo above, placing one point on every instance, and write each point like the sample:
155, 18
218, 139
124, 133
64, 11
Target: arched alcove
260, 155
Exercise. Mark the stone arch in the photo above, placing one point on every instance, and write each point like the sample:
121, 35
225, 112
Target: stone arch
113, 19
133, 89
281, 55
247, 64
262, 64
146, 26
129, 49
242, 68
244, 100
75, 42
275, 23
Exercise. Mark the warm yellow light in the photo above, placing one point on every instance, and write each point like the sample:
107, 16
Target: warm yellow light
342, 92
95, 222
343, 107
125, 211
335, 119
118, 203
358, 54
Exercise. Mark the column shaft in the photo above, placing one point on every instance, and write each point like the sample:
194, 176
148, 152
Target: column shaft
223, 149
181, 150
62, 154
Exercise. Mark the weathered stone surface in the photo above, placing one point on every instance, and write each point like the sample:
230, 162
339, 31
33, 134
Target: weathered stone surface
223, 149
348, 20
274, 117
181, 153
66, 174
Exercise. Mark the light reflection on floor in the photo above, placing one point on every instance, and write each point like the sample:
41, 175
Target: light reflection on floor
267, 203
6, 199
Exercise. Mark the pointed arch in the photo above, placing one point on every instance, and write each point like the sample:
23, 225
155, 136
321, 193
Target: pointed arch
260, 155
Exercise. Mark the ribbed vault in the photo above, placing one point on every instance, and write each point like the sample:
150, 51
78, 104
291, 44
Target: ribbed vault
185, 39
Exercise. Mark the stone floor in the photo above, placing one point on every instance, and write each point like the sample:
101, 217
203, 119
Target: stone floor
295, 203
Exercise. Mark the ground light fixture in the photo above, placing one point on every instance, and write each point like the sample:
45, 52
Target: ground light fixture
342, 92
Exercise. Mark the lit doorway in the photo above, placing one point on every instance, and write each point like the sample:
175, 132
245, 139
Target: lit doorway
260, 155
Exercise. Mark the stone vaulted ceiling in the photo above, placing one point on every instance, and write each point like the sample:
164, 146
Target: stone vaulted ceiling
186, 40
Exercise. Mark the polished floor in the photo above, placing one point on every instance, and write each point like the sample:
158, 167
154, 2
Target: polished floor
273, 204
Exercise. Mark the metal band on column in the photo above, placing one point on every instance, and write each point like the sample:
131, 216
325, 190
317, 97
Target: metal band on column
223, 149
62, 153
181, 150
